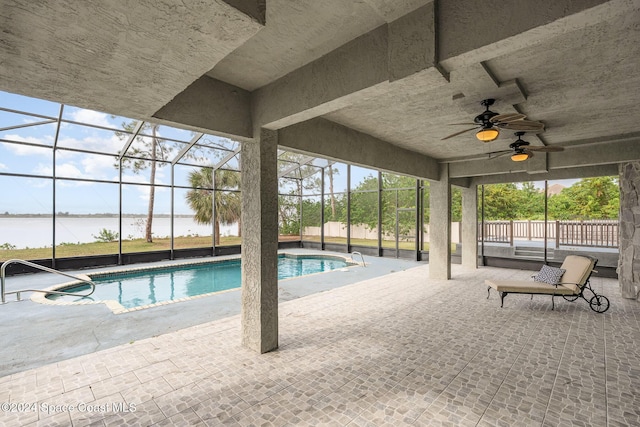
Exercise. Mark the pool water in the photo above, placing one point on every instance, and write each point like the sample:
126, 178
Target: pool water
151, 286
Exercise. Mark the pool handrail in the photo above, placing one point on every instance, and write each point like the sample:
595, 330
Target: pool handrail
361, 256
82, 278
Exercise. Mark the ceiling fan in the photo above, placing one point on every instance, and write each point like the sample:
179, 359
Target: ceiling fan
490, 123
521, 150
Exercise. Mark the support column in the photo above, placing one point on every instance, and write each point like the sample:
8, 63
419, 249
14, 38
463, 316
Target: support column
470, 228
629, 244
260, 243
440, 226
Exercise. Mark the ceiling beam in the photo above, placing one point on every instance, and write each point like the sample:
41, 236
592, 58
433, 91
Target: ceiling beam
330, 140
469, 32
572, 173
256, 9
211, 105
597, 154
358, 70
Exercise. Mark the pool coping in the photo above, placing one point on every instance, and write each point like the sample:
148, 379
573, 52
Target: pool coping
117, 308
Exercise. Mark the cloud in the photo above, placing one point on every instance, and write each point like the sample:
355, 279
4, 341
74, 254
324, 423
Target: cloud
99, 167
142, 190
142, 178
28, 150
70, 170
113, 144
90, 117
66, 171
3, 166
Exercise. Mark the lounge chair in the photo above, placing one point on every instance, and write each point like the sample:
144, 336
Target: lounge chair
571, 281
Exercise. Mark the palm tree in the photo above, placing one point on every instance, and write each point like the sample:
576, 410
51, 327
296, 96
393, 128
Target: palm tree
227, 203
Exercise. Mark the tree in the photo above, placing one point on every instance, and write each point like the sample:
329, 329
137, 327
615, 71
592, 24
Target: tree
398, 193
296, 178
456, 205
531, 202
227, 203
501, 201
332, 198
148, 152
589, 198
364, 203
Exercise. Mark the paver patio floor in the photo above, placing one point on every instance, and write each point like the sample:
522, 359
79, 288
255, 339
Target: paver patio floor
399, 349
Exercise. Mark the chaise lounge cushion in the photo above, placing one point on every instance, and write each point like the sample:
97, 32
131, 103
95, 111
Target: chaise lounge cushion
578, 269
528, 287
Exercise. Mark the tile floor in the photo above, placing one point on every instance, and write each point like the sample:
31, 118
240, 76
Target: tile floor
395, 350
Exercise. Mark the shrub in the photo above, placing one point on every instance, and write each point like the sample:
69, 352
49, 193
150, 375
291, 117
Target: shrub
106, 236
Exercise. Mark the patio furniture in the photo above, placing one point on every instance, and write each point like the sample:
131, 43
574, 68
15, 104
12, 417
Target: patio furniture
571, 281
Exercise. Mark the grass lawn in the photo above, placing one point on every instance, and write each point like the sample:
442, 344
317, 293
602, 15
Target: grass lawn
160, 244
107, 248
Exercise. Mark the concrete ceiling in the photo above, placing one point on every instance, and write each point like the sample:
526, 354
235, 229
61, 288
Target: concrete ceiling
370, 73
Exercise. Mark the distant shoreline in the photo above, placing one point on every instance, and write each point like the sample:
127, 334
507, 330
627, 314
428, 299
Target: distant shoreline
65, 215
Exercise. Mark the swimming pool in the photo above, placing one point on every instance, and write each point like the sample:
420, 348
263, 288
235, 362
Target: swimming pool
146, 287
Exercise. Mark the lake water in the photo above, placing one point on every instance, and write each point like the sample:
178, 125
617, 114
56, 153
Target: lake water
37, 232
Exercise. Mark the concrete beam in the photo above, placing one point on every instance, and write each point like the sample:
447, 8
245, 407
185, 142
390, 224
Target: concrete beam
392, 10
569, 173
485, 166
211, 105
469, 32
461, 182
412, 43
358, 70
596, 154
325, 138
257, 9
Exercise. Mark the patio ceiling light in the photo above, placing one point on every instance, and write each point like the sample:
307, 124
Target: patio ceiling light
487, 134
520, 156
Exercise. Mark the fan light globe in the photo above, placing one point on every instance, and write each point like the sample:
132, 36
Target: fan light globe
519, 157
487, 134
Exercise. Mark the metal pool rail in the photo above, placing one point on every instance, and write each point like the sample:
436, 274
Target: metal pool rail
3, 293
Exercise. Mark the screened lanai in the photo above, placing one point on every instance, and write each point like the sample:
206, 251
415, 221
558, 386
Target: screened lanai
86, 188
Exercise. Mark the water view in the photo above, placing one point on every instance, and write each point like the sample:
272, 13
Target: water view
36, 232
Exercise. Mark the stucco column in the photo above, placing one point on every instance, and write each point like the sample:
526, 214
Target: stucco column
470, 228
629, 242
440, 226
260, 243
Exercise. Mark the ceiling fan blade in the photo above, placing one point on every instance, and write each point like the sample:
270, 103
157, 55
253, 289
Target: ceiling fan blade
496, 154
507, 118
546, 149
523, 125
529, 153
458, 133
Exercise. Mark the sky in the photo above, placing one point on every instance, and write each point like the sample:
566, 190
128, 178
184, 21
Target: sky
34, 195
